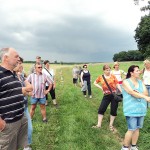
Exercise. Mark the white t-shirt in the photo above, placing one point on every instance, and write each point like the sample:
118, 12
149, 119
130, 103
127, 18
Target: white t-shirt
50, 73
118, 74
146, 77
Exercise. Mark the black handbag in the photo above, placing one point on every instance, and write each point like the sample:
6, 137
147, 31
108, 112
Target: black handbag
116, 97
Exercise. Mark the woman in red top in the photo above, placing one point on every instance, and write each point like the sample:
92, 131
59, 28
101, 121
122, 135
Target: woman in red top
108, 97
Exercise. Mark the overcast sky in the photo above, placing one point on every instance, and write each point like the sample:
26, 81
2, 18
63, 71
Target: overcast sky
69, 30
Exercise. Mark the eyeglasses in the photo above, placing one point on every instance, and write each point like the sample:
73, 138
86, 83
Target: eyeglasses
39, 67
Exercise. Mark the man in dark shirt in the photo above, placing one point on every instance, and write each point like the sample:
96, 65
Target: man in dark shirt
13, 123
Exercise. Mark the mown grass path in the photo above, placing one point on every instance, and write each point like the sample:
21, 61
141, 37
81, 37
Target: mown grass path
76, 117
69, 127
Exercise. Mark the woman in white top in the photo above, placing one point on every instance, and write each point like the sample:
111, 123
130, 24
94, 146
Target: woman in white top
146, 76
117, 72
50, 72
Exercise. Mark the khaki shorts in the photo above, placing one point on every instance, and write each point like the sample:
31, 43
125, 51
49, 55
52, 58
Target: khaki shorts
14, 135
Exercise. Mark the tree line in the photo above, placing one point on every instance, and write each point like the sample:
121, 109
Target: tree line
142, 37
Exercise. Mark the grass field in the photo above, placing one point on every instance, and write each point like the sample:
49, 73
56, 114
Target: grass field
69, 127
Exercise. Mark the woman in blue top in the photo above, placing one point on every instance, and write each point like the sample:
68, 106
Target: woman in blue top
135, 96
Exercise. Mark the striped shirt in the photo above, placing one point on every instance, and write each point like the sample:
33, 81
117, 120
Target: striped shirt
11, 97
38, 82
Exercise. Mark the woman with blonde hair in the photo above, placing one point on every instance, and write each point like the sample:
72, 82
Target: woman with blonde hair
146, 75
117, 72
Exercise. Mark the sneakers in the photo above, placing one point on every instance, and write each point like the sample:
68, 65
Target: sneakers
90, 96
124, 148
134, 148
45, 121
27, 148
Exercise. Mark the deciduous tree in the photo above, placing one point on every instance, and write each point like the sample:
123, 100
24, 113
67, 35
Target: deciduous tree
142, 35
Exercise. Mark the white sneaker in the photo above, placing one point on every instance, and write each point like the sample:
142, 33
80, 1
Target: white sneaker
134, 148
84, 95
124, 148
90, 96
27, 148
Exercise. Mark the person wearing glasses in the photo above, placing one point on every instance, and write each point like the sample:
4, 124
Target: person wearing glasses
38, 81
38, 60
86, 81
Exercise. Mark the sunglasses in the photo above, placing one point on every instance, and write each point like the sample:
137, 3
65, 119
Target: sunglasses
39, 67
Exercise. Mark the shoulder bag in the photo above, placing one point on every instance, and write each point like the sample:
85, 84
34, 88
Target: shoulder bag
117, 98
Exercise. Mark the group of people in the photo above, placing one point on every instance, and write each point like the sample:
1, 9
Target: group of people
134, 89
135, 93
15, 87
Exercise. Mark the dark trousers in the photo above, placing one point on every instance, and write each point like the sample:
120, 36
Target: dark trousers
88, 88
108, 99
52, 93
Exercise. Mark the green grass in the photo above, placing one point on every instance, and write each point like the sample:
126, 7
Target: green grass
69, 127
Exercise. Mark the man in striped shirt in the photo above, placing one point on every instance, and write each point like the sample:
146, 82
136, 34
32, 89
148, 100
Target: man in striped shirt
13, 123
38, 80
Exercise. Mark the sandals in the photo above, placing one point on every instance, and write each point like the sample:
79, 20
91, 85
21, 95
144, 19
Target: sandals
96, 127
111, 128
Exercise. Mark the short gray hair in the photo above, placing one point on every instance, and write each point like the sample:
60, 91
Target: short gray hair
38, 63
3, 51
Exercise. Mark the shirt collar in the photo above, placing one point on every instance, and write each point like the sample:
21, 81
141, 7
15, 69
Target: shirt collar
2, 69
39, 74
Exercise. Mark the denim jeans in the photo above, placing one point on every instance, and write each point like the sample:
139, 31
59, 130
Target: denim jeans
134, 122
30, 129
148, 89
35, 100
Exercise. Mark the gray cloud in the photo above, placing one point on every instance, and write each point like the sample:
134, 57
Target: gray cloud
69, 37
